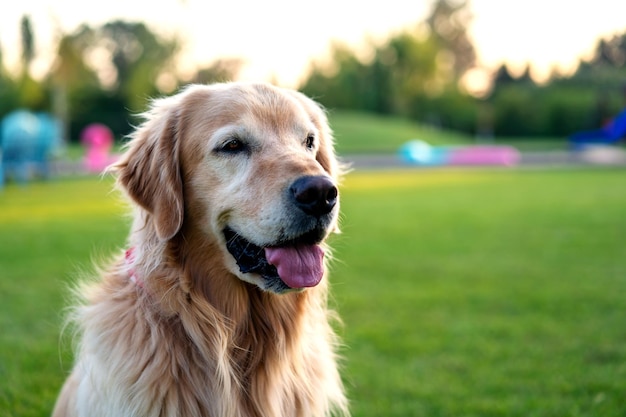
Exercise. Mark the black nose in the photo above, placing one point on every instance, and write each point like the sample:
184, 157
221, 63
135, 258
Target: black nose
315, 195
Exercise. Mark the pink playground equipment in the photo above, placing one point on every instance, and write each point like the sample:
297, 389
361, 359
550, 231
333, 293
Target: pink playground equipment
98, 141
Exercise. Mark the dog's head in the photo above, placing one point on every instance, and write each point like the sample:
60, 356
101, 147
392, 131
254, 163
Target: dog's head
248, 167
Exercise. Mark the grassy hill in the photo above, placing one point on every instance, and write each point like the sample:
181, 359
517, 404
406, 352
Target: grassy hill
359, 132
364, 133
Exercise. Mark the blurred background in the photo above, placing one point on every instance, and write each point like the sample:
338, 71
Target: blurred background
485, 68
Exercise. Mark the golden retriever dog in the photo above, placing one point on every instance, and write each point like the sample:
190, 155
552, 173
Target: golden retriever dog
218, 305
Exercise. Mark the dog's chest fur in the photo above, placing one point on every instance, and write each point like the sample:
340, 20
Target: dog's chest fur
187, 366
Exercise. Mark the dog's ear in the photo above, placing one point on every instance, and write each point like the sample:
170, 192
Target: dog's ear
149, 171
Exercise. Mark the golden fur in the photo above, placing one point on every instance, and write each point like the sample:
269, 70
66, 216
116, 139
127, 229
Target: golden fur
196, 336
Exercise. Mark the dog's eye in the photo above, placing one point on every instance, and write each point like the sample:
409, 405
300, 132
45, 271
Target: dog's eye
310, 141
233, 146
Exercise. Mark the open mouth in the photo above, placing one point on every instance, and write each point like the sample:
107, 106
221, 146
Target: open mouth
293, 264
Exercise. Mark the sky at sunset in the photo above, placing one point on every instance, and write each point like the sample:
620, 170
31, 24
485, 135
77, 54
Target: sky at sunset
279, 38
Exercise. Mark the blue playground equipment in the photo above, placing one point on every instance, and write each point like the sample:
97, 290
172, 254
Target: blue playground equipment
611, 133
26, 141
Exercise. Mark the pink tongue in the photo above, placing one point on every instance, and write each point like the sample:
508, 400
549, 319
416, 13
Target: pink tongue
298, 267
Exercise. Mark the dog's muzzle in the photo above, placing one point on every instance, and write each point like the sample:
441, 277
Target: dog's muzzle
293, 263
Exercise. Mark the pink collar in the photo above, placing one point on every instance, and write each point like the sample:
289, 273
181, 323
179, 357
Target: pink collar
129, 258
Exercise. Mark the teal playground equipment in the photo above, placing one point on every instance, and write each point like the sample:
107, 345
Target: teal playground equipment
27, 141
419, 152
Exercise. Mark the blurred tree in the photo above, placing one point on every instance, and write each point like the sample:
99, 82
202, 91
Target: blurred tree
31, 93
9, 95
526, 77
448, 23
502, 77
72, 80
414, 73
102, 73
611, 52
70, 69
343, 82
138, 56
221, 70
607, 66
2, 68
413, 68
28, 44
602, 80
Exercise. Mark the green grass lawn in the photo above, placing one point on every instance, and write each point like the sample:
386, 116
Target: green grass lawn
485, 293
463, 292
49, 232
